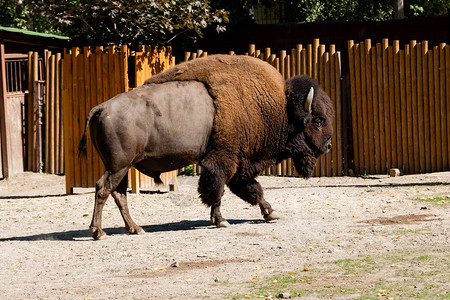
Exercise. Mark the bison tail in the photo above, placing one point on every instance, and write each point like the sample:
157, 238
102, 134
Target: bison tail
82, 145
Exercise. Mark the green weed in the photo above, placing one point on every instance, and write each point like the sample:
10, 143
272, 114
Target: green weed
437, 200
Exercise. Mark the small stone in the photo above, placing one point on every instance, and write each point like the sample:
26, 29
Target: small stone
284, 295
216, 279
394, 172
424, 208
175, 264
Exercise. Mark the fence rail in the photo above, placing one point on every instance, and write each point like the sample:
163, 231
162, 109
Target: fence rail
400, 106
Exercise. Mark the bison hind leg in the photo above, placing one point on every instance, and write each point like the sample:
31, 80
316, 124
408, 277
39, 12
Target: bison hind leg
251, 191
120, 197
107, 183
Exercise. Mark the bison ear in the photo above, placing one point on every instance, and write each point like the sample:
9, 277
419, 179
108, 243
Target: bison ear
309, 100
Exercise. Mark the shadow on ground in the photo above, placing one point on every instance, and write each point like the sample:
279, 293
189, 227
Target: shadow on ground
75, 235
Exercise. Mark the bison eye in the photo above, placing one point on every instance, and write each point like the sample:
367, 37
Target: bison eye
319, 121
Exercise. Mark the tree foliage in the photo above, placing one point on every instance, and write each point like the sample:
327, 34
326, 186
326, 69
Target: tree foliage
95, 22
343, 10
427, 8
357, 10
127, 21
23, 15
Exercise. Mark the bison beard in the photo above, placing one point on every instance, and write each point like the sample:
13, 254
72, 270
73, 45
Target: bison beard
252, 119
305, 160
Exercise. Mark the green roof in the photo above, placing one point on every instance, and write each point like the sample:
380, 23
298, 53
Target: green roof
39, 34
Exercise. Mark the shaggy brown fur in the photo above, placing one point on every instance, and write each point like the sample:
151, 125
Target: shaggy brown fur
247, 113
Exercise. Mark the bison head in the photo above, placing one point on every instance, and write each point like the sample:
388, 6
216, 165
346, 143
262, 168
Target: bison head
310, 115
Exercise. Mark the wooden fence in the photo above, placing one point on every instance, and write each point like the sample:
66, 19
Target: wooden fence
399, 101
325, 67
90, 78
400, 106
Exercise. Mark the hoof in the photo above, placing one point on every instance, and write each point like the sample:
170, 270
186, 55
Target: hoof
272, 216
98, 233
135, 230
223, 224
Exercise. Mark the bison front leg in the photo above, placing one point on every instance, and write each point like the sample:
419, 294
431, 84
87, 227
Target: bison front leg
120, 197
211, 186
252, 192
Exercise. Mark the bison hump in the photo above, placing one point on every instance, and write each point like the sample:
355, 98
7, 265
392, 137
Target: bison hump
248, 95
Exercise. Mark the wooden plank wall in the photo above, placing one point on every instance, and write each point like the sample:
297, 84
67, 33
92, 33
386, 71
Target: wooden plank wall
90, 77
400, 106
322, 65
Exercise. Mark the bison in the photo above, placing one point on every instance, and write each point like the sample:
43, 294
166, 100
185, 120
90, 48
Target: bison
246, 119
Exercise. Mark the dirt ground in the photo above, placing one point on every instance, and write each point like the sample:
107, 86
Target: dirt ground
339, 238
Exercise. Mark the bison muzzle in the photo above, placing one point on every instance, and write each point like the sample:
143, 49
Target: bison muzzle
246, 119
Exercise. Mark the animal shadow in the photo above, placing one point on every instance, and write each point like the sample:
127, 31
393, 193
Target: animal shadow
83, 235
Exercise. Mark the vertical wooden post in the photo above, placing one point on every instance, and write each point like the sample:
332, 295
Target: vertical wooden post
31, 129
437, 108
251, 50
370, 163
359, 149
445, 108
298, 60
267, 54
315, 58
282, 63
409, 111
420, 108
397, 106
38, 101
99, 98
4, 126
391, 93
447, 97
59, 122
426, 106
339, 127
87, 172
403, 108
351, 59
375, 112
431, 101
48, 104
52, 111
381, 111
414, 106
386, 114
134, 180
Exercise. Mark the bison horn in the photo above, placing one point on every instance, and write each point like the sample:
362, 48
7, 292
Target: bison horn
309, 99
